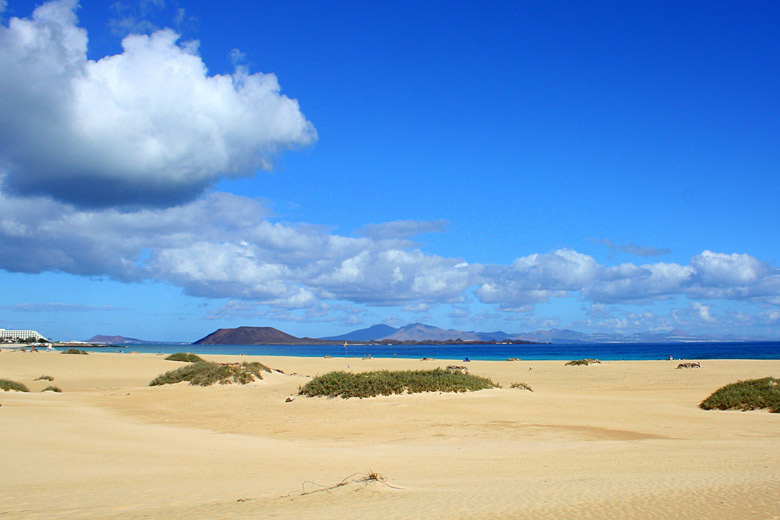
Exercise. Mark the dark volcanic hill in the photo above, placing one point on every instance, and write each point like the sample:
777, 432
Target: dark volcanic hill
251, 336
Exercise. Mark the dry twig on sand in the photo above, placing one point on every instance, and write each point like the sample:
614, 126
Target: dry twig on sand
356, 478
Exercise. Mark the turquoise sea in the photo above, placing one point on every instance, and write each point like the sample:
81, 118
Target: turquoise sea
603, 351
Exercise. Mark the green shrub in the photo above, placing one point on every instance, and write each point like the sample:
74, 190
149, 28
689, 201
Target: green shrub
206, 373
585, 362
7, 384
44, 378
75, 351
371, 384
522, 386
52, 389
188, 357
256, 367
753, 394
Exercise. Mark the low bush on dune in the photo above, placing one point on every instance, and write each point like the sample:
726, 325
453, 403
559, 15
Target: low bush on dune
372, 384
256, 367
44, 378
582, 362
75, 351
753, 394
7, 384
187, 357
521, 386
205, 373
52, 389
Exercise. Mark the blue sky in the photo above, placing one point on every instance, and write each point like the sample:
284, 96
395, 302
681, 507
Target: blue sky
169, 168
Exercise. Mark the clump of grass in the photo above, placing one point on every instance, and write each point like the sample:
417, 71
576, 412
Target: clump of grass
206, 373
75, 351
753, 394
384, 382
256, 367
44, 378
7, 384
188, 357
458, 368
52, 389
521, 386
585, 362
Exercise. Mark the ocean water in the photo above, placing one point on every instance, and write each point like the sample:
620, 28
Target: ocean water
602, 351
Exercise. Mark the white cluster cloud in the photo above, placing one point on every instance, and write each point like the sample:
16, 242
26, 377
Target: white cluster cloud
536, 278
729, 271
630, 282
148, 126
704, 311
224, 246
220, 246
709, 275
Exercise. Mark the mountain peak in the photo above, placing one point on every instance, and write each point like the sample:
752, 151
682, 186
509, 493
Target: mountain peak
375, 332
423, 332
249, 336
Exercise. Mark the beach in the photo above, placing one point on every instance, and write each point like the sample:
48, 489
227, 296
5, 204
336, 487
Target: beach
619, 439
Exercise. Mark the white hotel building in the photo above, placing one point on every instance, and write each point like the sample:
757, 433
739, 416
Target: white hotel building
19, 335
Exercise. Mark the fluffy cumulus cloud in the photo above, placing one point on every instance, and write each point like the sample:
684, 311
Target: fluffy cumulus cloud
537, 278
733, 275
629, 282
709, 275
222, 246
704, 311
393, 276
147, 127
38, 234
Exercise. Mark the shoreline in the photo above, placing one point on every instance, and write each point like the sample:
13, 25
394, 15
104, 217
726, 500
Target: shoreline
487, 352
622, 439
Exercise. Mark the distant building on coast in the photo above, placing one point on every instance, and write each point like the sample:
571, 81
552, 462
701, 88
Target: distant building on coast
19, 335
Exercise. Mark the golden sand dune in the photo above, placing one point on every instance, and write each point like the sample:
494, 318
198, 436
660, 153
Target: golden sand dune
615, 440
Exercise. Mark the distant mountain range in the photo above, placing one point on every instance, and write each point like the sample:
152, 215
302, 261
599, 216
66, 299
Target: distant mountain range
419, 333
416, 333
119, 340
375, 332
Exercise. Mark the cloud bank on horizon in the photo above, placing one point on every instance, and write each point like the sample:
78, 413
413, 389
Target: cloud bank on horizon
220, 246
107, 168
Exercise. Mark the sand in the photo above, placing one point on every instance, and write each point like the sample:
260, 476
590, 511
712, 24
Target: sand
623, 439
